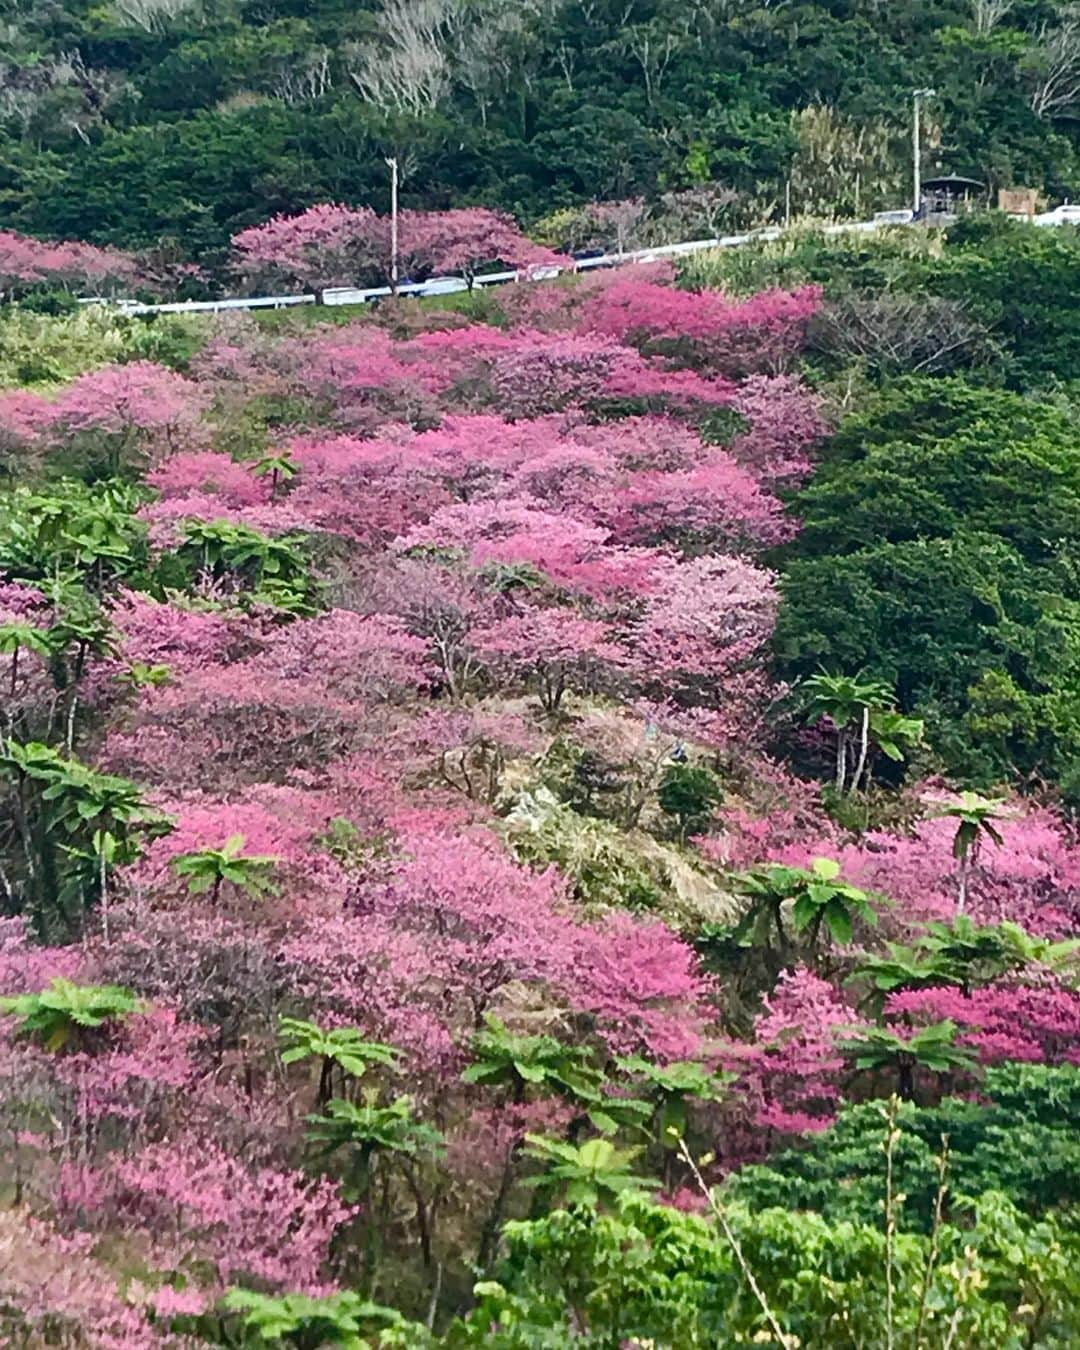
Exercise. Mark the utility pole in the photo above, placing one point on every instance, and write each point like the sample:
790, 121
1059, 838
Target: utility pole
392, 164
916, 146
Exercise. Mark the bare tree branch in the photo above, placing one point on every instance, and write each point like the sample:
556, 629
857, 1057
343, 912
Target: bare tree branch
152, 16
1056, 92
893, 332
987, 14
405, 69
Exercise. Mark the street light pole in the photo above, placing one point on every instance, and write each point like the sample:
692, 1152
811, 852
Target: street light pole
916, 147
392, 164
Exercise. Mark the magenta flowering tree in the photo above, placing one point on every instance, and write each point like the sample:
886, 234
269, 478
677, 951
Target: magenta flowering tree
468, 239
706, 619
1006, 1020
26, 263
250, 1222
715, 505
326, 245
1031, 880
549, 374
785, 425
335, 245
205, 472
557, 648
643, 984
789, 1076
515, 532
473, 746
704, 328
24, 416
128, 416
304, 696
427, 946
442, 607
151, 633
368, 378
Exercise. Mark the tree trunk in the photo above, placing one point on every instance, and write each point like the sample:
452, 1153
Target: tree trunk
423, 1219
104, 882
962, 888
326, 1084
906, 1077
864, 746
490, 1234
69, 734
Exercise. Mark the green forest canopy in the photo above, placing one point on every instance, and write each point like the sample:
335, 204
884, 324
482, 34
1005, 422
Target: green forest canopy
132, 121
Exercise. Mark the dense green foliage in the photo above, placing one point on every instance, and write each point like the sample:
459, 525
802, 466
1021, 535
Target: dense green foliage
991, 295
648, 1273
938, 544
938, 552
132, 122
1022, 1142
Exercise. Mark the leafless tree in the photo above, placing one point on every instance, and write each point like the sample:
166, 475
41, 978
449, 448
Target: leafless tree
309, 77
405, 68
486, 54
695, 212
893, 332
152, 16
59, 89
619, 222
1056, 90
567, 59
987, 14
652, 50
495, 47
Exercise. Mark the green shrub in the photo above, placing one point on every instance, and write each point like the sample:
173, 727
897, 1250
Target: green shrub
689, 793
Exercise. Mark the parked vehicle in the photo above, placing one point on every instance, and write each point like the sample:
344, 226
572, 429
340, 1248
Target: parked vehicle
443, 286
900, 217
1066, 214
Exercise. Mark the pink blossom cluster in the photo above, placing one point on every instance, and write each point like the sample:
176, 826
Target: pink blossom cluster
335, 245
31, 262
1005, 1020
140, 408
792, 1070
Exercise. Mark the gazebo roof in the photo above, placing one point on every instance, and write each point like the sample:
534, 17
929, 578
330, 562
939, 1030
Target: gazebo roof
951, 181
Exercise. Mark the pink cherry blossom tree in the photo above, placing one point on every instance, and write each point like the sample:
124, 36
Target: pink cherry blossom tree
129, 416
704, 328
326, 245
789, 1076
706, 618
335, 245
467, 239
556, 647
27, 262
1006, 1020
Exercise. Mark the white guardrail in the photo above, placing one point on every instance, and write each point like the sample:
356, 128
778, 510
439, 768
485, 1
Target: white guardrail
350, 295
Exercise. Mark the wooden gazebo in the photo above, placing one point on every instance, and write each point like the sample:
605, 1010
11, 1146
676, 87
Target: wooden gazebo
950, 195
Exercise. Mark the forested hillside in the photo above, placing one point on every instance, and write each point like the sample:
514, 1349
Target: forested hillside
544, 818
936, 544
132, 122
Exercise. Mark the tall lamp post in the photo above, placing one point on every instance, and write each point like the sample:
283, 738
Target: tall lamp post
392, 164
916, 146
